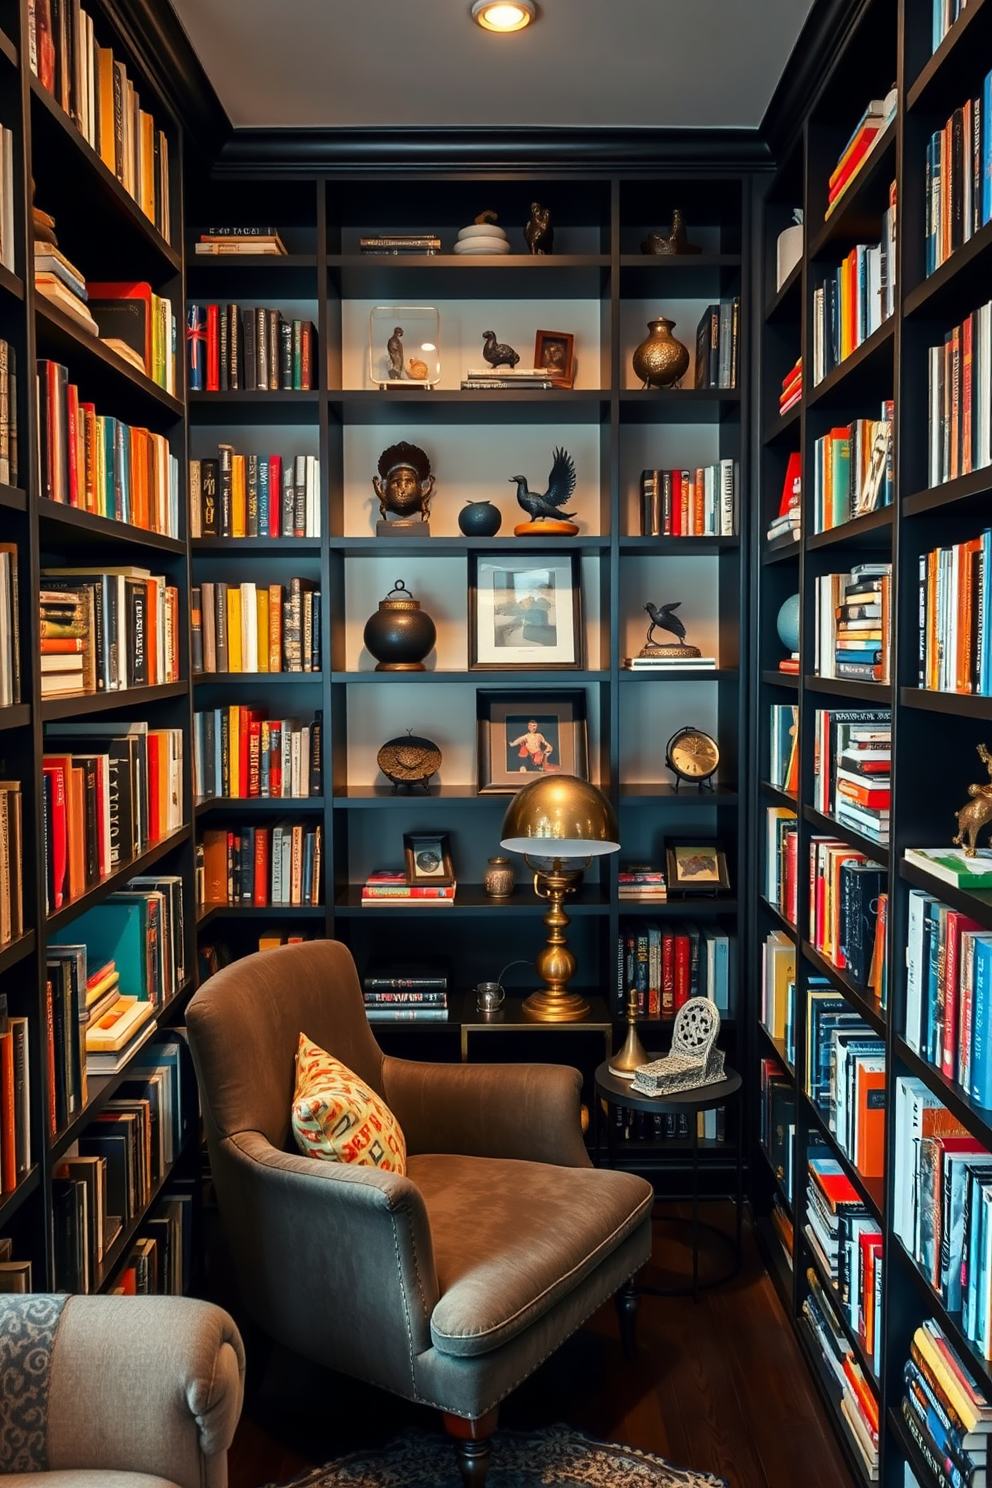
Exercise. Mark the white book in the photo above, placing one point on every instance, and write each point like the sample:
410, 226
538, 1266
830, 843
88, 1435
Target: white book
728, 484
249, 628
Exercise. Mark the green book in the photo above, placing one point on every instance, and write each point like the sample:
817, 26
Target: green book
952, 866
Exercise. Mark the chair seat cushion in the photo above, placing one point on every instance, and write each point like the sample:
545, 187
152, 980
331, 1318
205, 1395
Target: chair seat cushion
339, 1117
510, 1238
70, 1477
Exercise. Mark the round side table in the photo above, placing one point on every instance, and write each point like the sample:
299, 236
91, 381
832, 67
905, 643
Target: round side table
617, 1093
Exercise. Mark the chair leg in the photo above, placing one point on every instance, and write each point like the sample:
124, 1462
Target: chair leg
473, 1445
627, 1299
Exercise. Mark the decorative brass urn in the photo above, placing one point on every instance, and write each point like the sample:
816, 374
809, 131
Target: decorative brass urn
661, 360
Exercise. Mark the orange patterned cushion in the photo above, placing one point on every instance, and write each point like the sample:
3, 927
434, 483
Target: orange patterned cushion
337, 1116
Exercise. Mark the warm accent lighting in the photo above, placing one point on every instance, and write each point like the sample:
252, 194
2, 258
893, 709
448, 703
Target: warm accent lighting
503, 15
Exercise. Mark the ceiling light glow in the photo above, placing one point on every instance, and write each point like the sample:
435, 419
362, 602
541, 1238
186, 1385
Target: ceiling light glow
503, 15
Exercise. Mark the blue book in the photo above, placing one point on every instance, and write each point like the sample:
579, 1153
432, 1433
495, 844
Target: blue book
263, 498
981, 1064
196, 341
931, 943
119, 930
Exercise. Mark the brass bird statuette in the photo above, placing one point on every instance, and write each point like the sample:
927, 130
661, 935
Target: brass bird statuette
677, 240
978, 812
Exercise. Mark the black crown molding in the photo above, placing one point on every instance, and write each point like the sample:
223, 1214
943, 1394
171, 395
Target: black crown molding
334, 151
826, 32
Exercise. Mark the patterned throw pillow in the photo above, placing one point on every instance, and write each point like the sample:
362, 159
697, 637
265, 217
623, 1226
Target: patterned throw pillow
337, 1116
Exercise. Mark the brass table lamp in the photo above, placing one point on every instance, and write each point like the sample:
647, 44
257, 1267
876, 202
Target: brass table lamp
558, 817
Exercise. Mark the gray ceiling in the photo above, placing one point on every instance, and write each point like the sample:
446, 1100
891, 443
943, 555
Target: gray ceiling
602, 63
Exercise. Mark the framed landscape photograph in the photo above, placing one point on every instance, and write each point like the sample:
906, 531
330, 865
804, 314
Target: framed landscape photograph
523, 736
554, 353
524, 612
428, 858
696, 868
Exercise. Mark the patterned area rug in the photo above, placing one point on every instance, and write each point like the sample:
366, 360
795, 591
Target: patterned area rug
554, 1458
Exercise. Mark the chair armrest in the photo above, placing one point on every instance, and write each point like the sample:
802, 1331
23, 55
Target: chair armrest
334, 1260
528, 1111
145, 1385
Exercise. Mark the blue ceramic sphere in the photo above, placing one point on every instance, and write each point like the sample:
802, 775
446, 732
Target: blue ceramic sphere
787, 623
480, 519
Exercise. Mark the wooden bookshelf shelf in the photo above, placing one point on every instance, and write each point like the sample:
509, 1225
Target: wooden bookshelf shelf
866, 373
563, 275
788, 552
958, 286
778, 797
965, 496
258, 805
828, 825
253, 407
683, 674
873, 530
677, 546
976, 1118
471, 900
100, 372
365, 797
8, 49
206, 913
482, 678
679, 908
414, 547
874, 694
785, 426
779, 1047
952, 704
970, 1355
786, 302
937, 85
11, 283
871, 1190
133, 698
121, 876
10, 1202
471, 406
975, 902
68, 524
245, 679
788, 680
861, 998
15, 951
678, 405
18, 716
721, 795
13, 498
776, 915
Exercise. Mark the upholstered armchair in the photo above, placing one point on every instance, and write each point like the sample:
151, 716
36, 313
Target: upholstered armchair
117, 1392
448, 1286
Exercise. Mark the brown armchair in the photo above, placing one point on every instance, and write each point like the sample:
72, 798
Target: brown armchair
450, 1285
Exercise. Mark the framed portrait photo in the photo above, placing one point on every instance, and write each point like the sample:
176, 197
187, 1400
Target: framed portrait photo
696, 868
554, 353
428, 858
524, 611
525, 735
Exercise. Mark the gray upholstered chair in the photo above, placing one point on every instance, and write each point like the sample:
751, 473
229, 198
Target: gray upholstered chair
450, 1285
117, 1392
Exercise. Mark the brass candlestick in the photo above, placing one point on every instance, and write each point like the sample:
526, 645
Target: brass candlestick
626, 1062
555, 964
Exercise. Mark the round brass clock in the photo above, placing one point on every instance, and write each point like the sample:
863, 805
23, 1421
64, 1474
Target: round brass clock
692, 756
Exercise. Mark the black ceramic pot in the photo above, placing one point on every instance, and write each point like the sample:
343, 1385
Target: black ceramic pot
400, 634
480, 519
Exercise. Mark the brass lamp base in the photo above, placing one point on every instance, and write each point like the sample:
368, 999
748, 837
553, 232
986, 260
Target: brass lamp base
547, 1006
555, 965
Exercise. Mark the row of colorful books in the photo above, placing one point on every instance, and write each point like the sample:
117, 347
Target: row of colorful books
111, 791
853, 623
781, 853
853, 470
105, 630
949, 993
390, 887
778, 991
128, 317
641, 883
160, 1260
254, 495
960, 399
224, 241
250, 348
845, 1078
852, 751
239, 752
261, 866
857, 152
845, 1240
256, 627
959, 178
101, 464
948, 1414
777, 1124
792, 387
955, 653
718, 345
406, 992
690, 503
9, 468
650, 1126
851, 1390
848, 908
664, 964
853, 302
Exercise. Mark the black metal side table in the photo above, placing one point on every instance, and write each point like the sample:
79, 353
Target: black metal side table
617, 1092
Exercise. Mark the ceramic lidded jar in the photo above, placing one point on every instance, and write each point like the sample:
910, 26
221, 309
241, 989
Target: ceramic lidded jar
480, 519
400, 634
661, 360
499, 878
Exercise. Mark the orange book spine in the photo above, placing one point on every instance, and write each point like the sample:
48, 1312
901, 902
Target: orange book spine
870, 1149
214, 866
239, 510
275, 627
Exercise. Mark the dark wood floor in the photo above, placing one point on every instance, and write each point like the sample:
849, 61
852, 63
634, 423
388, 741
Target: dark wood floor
719, 1385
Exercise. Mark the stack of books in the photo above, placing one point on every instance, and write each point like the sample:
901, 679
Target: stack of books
397, 243
777, 1124
261, 866
851, 767
387, 887
660, 662
786, 528
7, 224
853, 302
667, 964
792, 388
958, 197
846, 1241
690, 503
254, 349
139, 326
223, 240
949, 993
11, 861
851, 1390
857, 152
847, 912
254, 495
718, 345
949, 1417
955, 652
847, 1080
63, 284
8, 414
853, 632
134, 642
641, 882
783, 740
406, 992
239, 752
960, 378
781, 848
159, 1262
509, 377
852, 471
66, 623
256, 628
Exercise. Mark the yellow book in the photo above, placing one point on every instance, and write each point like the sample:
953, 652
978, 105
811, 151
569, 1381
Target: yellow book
781, 958
275, 627
952, 1387
105, 111
234, 662
263, 629
238, 503
146, 164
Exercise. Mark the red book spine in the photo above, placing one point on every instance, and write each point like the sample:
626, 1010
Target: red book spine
244, 776
275, 495
792, 879
72, 442
676, 503
967, 352
213, 350
668, 975
261, 886
681, 971
58, 828
275, 762
306, 356
154, 816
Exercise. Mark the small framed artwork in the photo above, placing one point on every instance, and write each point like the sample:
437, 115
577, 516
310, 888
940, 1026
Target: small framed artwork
525, 735
696, 868
554, 353
525, 612
428, 858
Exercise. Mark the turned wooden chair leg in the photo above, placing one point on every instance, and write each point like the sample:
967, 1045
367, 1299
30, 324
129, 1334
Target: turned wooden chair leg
627, 1299
473, 1445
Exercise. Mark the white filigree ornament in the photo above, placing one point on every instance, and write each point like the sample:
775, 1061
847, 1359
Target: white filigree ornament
694, 1059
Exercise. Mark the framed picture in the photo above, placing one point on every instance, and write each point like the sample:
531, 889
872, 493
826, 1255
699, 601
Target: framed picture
428, 858
554, 353
524, 611
696, 868
525, 735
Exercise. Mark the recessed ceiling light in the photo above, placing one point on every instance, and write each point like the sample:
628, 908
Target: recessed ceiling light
503, 15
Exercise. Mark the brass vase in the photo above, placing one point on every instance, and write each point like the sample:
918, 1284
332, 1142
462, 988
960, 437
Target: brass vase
661, 360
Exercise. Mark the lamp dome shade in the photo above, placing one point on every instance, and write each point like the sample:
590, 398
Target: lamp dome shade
562, 816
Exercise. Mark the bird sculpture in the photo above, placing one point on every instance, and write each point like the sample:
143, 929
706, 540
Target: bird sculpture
561, 487
497, 353
663, 618
394, 350
539, 233
676, 241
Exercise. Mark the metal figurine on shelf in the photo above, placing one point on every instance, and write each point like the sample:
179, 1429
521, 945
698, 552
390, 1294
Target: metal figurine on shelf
628, 1059
394, 351
404, 487
978, 812
676, 241
498, 353
694, 1059
545, 510
539, 233
664, 618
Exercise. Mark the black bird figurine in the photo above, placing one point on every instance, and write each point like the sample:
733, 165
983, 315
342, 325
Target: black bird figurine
539, 233
676, 240
561, 486
664, 619
497, 353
